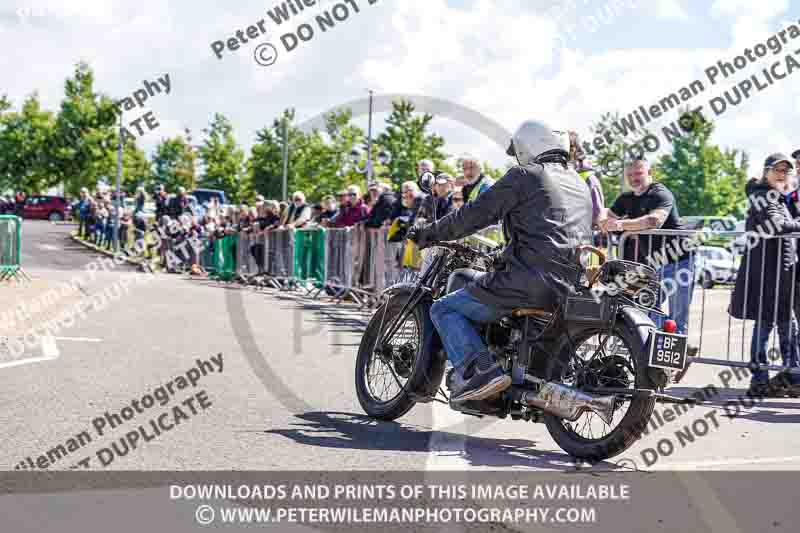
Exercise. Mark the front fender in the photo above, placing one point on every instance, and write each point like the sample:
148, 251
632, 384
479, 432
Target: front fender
397, 288
433, 359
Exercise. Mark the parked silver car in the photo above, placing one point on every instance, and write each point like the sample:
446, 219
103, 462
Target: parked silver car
713, 265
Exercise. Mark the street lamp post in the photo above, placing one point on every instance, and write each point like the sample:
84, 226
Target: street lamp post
369, 142
384, 158
285, 159
119, 187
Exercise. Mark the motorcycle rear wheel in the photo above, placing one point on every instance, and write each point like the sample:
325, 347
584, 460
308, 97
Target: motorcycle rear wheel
613, 370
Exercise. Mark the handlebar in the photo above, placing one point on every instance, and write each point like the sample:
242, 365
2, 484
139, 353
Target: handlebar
458, 247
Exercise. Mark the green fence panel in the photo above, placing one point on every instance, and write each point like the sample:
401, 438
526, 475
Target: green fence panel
10, 241
10, 247
309, 256
225, 256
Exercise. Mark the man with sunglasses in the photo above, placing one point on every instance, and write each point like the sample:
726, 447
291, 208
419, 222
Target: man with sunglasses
351, 209
299, 213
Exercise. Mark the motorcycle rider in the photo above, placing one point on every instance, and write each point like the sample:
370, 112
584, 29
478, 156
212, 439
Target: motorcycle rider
546, 211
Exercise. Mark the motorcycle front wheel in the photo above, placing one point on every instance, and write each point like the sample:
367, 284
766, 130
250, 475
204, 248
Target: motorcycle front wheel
388, 371
614, 359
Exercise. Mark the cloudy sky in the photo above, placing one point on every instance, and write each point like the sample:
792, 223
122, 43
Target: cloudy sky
506, 60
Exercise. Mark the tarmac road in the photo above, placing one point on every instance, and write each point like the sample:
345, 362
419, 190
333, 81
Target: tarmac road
285, 399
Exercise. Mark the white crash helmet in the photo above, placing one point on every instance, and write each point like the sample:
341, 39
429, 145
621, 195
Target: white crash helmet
535, 138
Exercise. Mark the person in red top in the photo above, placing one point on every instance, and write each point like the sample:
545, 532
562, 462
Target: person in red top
352, 210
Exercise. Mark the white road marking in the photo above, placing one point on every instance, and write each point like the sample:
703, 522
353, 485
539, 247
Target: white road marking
49, 347
26, 361
742, 461
78, 339
447, 449
48, 247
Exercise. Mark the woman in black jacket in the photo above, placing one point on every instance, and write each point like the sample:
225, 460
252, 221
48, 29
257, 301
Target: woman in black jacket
765, 280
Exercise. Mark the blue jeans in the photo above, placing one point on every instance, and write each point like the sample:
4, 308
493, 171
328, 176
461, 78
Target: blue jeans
787, 338
678, 290
455, 317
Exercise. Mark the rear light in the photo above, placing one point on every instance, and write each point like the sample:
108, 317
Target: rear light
670, 326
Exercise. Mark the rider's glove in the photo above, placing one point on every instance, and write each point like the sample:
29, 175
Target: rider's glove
417, 236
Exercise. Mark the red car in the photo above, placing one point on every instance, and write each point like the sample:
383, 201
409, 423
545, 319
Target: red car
54, 208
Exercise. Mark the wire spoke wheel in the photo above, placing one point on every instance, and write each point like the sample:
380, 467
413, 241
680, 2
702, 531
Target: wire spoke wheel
389, 368
386, 368
601, 360
604, 359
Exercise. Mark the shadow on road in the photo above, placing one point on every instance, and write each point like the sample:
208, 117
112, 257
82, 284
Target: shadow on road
736, 404
357, 432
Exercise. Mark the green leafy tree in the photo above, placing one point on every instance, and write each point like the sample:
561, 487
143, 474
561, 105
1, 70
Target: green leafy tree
174, 163
85, 134
493, 172
706, 179
407, 140
318, 161
223, 160
25, 139
136, 168
265, 165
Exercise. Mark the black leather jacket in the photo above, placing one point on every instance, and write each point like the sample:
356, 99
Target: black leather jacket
546, 212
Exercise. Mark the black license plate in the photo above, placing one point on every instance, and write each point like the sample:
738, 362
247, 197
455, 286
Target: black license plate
668, 350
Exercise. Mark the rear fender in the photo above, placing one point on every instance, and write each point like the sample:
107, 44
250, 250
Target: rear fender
641, 324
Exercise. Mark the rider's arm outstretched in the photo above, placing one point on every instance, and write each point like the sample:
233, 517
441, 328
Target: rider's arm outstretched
485, 210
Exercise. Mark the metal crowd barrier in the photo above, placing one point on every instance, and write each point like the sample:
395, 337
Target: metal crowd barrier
310, 268
716, 259
279, 258
339, 260
11, 249
356, 263
245, 262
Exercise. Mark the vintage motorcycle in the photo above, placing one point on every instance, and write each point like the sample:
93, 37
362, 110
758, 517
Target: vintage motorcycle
591, 367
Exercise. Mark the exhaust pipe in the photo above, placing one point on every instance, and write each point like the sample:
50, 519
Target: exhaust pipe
568, 403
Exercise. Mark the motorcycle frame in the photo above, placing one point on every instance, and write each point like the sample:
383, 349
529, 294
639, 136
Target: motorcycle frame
624, 309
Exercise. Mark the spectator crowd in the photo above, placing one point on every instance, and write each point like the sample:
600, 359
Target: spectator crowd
773, 202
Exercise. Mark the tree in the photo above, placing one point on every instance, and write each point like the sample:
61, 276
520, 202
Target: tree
85, 134
136, 169
25, 139
318, 161
492, 172
706, 179
406, 140
174, 163
223, 159
265, 165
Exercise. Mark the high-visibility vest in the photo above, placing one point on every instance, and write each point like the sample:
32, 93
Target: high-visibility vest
479, 187
496, 236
